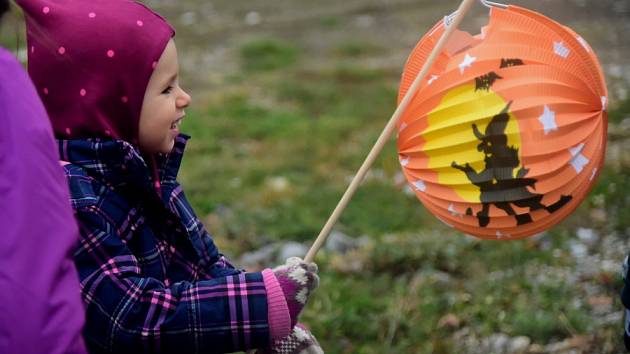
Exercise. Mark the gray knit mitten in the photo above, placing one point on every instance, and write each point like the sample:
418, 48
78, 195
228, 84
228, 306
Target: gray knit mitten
299, 341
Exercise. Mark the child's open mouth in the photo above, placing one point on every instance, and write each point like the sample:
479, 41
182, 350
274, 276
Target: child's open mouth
177, 123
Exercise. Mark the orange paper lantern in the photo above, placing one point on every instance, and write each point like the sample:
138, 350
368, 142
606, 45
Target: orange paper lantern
506, 135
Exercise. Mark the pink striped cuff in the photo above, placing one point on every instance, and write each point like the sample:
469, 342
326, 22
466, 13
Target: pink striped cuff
278, 310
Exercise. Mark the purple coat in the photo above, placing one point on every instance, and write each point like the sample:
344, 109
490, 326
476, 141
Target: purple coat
40, 305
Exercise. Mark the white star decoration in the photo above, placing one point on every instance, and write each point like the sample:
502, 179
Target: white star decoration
433, 78
420, 185
548, 120
561, 50
451, 209
404, 161
501, 235
584, 44
466, 63
604, 102
578, 161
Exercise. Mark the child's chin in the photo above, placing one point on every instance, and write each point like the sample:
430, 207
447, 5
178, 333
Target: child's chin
166, 148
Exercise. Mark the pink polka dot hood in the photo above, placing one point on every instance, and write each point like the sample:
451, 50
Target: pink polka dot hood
91, 61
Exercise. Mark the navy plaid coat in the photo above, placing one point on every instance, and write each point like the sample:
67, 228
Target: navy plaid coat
151, 276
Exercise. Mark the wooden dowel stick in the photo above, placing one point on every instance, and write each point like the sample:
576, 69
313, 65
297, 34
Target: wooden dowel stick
387, 132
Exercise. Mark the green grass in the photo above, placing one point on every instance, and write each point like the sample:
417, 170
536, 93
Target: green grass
267, 54
409, 282
610, 191
356, 50
621, 112
12, 31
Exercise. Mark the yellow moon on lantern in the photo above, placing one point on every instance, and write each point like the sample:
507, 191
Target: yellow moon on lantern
449, 135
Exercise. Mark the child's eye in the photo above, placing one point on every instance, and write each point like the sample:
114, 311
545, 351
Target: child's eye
168, 90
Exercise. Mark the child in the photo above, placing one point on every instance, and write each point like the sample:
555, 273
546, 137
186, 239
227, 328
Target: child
151, 276
40, 307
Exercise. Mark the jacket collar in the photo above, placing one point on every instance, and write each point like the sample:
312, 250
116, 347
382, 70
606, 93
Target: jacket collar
119, 163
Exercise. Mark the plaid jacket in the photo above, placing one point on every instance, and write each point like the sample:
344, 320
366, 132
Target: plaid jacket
151, 276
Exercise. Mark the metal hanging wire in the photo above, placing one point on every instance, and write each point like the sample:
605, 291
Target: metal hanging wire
489, 4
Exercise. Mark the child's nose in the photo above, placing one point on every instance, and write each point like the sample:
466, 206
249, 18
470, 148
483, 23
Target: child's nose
183, 100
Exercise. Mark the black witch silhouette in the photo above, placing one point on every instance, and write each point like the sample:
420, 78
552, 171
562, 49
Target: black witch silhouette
496, 182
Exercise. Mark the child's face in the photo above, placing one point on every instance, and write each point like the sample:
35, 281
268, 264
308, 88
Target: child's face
163, 105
